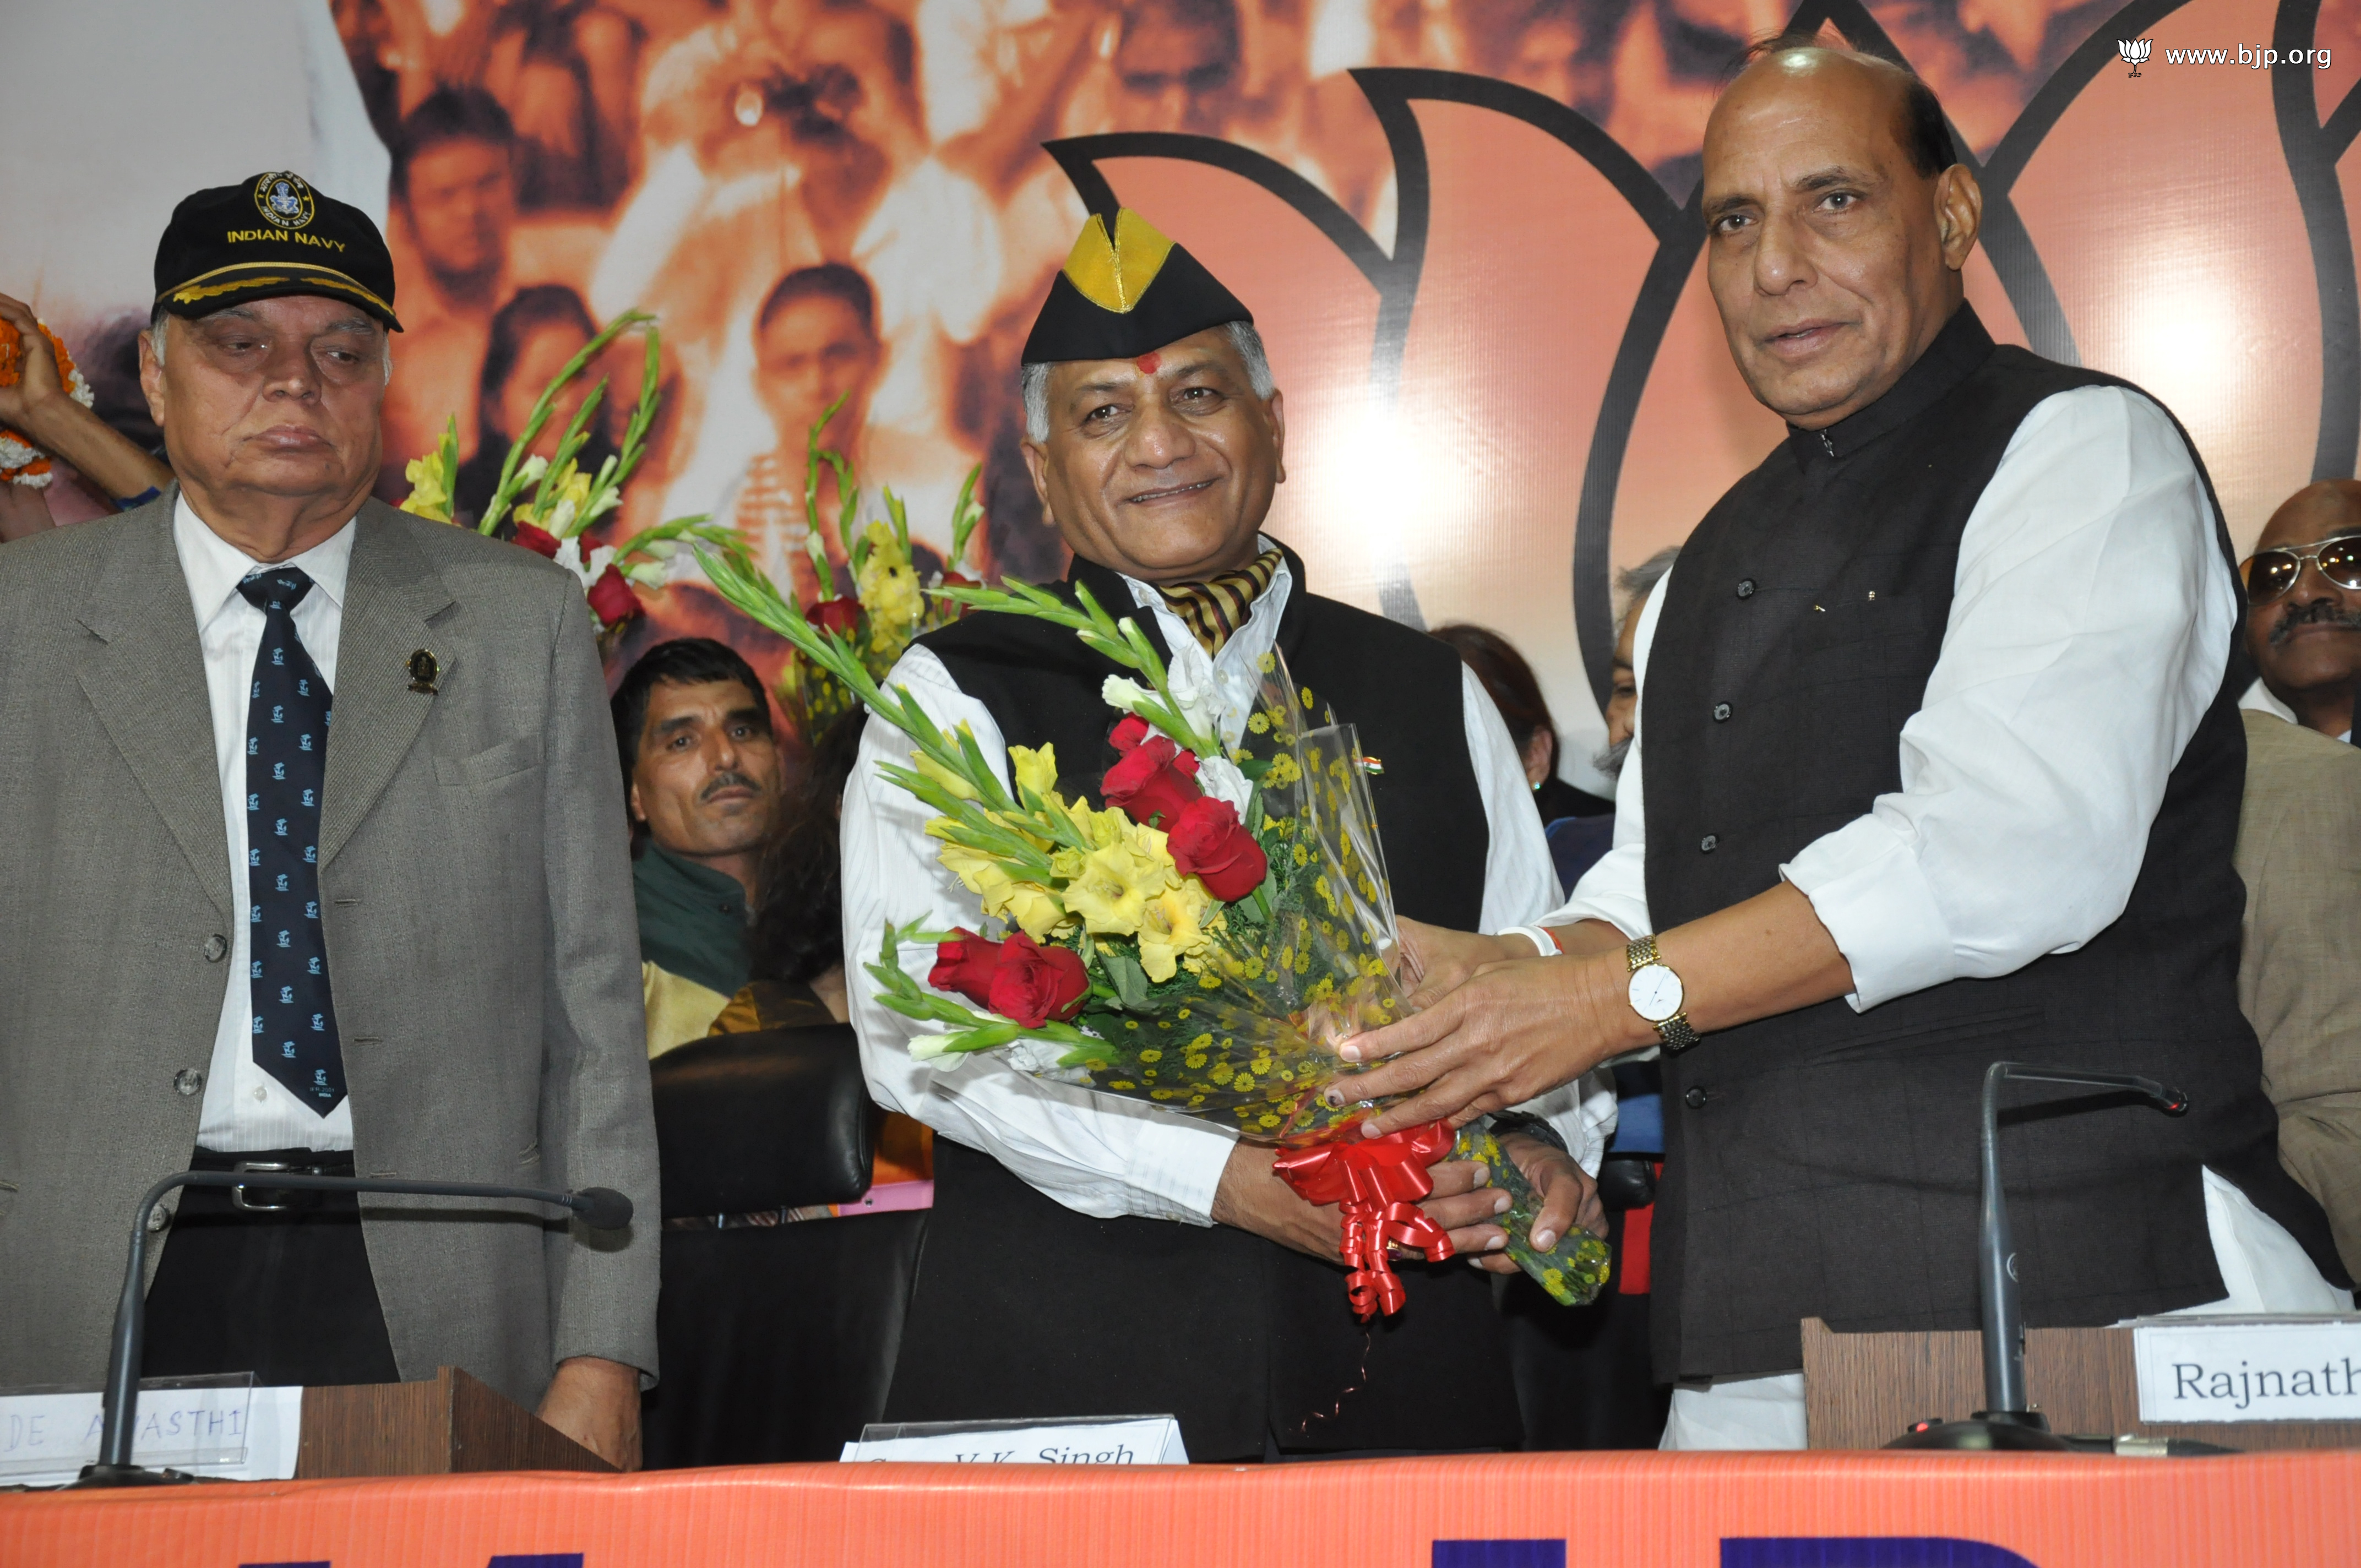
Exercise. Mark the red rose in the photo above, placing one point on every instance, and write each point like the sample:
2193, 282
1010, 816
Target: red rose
1129, 733
1035, 985
1210, 843
611, 599
841, 616
1152, 782
966, 965
540, 541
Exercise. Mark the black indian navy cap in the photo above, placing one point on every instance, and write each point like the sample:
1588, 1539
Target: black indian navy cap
270, 237
1125, 293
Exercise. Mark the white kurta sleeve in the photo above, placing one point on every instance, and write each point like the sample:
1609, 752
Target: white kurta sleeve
1520, 885
2090, 621
1615, 889
1095, 1153
1520, 880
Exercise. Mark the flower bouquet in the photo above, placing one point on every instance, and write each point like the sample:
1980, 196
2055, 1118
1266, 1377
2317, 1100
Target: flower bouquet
1202, 941
564, 500
888, 606
21, 462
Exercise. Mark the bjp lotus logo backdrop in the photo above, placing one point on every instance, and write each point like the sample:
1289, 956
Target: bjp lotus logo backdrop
1514, 380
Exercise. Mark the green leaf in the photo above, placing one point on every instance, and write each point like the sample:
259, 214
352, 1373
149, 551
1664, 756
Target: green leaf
1130, 980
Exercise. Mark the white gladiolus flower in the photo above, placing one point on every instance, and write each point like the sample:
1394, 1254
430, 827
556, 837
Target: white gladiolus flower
928, 1048
1193, 694
1126, 695
569, 556
1219, 777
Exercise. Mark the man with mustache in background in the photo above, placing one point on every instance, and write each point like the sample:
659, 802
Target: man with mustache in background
700, 776
2299, 841
1937, 763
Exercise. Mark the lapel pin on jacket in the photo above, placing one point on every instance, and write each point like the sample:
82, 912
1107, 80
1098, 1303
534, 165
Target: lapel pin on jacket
423, 672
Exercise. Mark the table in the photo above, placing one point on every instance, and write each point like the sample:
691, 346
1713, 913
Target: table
1645, 1510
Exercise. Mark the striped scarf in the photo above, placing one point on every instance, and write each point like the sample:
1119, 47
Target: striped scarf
1214, 609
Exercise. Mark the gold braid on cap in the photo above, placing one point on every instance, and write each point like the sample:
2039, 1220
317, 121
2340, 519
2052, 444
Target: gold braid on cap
1114, 273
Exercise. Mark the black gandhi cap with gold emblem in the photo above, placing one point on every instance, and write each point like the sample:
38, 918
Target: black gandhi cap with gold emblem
1124, 295
270, 237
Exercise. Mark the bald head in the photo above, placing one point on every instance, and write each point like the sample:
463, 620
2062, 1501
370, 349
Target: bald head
1837, 225
2306, 639
2316, 512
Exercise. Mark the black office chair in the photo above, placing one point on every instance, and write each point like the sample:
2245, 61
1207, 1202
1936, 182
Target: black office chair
777, 1342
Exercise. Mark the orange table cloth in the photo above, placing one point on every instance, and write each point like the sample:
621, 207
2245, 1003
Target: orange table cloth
1644, 1511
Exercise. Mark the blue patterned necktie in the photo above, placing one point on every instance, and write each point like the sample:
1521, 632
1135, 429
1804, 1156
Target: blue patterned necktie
286, 763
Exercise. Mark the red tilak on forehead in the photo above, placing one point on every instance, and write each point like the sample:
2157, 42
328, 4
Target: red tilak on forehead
1149, 362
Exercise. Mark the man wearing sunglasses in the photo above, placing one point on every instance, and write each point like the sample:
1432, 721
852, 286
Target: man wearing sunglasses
2299, 841
2303, 609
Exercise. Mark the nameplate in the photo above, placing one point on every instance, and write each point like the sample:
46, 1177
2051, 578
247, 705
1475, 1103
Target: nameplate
237, 1433
1133, 1440
2249, 1369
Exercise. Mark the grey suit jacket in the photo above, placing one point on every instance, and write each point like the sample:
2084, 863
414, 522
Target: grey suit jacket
2299, 970
481, 941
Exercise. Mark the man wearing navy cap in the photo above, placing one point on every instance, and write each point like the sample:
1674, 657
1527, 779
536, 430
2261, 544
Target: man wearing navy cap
309, 875
1107, 1257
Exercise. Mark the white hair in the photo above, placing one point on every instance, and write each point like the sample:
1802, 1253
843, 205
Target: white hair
1033, 380
157, 318
1637, 582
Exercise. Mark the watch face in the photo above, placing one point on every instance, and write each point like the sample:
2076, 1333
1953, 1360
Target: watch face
1656, 992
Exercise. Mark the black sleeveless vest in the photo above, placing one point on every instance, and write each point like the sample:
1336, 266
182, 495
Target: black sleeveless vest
1823, 1163
1023, 1308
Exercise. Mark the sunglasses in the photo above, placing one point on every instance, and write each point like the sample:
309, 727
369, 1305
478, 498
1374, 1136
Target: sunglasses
2270, 573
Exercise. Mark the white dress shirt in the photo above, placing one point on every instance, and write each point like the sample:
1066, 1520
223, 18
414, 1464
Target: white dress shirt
245, 1107
2091, 615
1097, 1154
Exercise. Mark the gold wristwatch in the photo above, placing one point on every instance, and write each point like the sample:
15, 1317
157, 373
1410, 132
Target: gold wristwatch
1655, 994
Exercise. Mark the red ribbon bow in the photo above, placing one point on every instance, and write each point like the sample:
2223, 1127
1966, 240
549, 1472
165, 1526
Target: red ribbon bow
1376, 1183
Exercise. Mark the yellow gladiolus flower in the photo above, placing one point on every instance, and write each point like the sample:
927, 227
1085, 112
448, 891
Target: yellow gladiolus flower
1036, 771
888, 589
1171, 924
1029, 903
959, 788
566, 499
428, 498
1118, 880
977, 872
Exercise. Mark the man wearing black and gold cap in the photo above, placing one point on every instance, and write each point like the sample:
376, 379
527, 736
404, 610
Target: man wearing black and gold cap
306, 876
1088, 1256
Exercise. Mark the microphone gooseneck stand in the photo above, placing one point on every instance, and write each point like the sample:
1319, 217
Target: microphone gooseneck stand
2008, 1420
601, 1208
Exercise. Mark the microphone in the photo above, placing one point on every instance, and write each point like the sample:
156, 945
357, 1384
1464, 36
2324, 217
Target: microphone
601, 1208
2006, 1421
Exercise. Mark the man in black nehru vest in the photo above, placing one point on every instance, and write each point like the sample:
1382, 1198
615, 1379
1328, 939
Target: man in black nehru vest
1938, 763
1093, 1257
